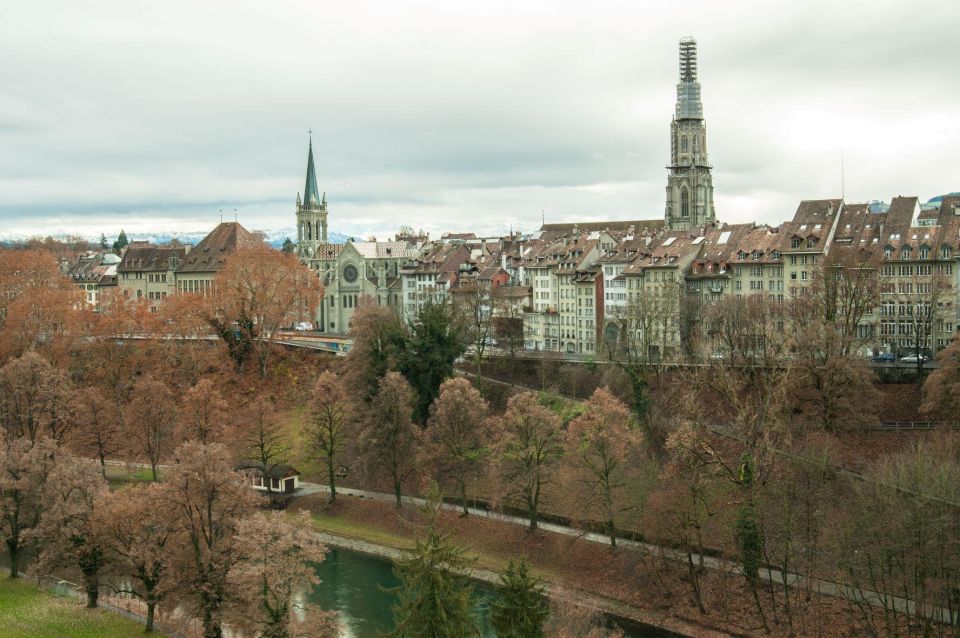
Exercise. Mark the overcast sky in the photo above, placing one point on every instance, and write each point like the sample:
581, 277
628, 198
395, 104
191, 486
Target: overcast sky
454, 115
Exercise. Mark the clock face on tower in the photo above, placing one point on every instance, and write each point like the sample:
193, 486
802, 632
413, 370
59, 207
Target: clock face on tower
350, 273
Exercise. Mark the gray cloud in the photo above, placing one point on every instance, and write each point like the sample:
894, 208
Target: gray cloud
455, 115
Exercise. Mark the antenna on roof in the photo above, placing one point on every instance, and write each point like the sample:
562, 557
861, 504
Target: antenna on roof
234, 214
221, 215
842, 185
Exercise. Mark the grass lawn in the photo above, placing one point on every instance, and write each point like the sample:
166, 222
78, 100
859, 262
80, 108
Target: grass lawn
341, 526
26, 612
119, 475
360, 531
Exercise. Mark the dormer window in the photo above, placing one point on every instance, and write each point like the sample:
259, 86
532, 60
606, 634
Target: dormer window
924, 253
945, 252
776, 254
811, 242
887, 253
905, 253
795, 243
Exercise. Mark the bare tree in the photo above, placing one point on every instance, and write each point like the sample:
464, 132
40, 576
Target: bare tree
24, 469
36, 399
153, 420
827, 318
328, 429
208, 499
204, 413
259, 291
528, 446
66, 534
599, 444
454, 439
262, 440
648, 329
135, 527
274, 573
389, 440
97, 432
921, 306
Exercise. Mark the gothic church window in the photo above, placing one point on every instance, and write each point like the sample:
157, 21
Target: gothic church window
683, 143
684, 202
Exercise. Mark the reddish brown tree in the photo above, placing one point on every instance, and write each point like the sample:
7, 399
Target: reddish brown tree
274, 574
37, 302
24, 468
204, 413
66, 535
529, 444
135, 527
258, 292
454, 445
152, 419
389, 440
599, 444
207, 499
97, 431
36, 399
263, 444
328, 429
376, 331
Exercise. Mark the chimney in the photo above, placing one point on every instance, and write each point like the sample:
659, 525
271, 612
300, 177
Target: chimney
186, 249
503, 260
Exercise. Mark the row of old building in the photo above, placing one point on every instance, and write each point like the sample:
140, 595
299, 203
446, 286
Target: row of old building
574, 285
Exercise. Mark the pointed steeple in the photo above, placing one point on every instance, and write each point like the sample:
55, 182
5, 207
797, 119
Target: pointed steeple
311, 194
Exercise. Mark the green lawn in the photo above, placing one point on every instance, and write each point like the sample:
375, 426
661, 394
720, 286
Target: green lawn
26, 612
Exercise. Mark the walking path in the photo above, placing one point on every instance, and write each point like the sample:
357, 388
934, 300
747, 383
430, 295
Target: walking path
601, 604
775, 576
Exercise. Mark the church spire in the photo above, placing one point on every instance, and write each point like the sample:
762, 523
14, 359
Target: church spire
689, 183
311, 194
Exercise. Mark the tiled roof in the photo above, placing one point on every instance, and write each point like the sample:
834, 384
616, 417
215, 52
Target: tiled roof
144, 257
211, 253
383, 249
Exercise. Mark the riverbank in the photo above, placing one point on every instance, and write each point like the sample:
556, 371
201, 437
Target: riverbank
380, 530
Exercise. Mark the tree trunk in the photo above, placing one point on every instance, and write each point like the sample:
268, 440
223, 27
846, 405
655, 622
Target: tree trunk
151, 607
13, 548
331, 472
532, 514
93, 595
612, 531
396, 490
463, 498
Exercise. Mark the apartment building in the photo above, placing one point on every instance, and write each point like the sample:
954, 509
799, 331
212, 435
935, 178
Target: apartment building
149, 272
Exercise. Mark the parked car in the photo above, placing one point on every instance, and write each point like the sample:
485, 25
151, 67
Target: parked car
884, 357
304, 326
912, 358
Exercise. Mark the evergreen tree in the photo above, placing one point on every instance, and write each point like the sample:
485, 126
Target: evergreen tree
121, 242
288, 245
434, 594
103, 242
426, 360
521, 609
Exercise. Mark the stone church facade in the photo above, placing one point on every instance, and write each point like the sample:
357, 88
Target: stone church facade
348, 271
690, 182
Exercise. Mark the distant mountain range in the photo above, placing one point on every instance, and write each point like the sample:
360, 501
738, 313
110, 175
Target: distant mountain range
274, 237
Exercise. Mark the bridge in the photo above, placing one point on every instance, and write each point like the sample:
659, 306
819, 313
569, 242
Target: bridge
336, 344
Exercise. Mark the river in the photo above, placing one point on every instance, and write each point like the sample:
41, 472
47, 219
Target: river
355, 584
